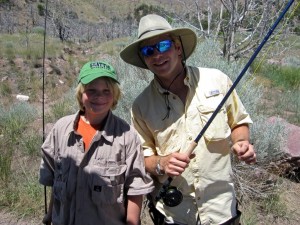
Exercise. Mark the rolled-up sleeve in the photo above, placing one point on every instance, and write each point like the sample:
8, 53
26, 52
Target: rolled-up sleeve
138, 181
47, 163
236, 111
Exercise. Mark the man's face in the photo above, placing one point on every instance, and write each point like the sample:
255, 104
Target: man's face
164, 57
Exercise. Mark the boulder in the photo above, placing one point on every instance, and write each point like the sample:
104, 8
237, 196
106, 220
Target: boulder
289, 164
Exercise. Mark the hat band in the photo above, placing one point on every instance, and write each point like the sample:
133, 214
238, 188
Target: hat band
147, 31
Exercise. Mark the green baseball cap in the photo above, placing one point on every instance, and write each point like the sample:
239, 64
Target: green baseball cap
95, 69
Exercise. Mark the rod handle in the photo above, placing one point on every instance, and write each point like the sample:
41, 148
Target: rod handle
191, 148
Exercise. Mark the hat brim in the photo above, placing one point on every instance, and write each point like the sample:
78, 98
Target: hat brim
130, 54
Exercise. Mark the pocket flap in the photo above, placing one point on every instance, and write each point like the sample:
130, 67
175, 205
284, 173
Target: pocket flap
110, 171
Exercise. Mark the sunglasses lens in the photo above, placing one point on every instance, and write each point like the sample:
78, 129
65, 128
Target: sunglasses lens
161, 46
147, 50
164, 46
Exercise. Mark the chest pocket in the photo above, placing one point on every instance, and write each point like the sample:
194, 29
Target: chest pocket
219, 128
108, 185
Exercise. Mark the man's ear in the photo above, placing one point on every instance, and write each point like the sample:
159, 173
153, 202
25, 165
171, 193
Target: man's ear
178, 48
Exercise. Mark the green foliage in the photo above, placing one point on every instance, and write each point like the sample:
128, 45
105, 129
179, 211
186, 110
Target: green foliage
13, 124
249, 215
25, 199
31, 144
296, 12
5, 89
297, 30
145, 9
15, 119
4, 1
29, 194
131, 85
38, 30
275, 206
41, 9
286, 77
5, 160
9, 51
28, 46
269, 138
8, 196
67, 105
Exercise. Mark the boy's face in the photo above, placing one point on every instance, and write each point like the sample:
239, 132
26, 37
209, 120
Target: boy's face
97, 98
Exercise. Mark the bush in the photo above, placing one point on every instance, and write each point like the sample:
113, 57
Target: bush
41, 9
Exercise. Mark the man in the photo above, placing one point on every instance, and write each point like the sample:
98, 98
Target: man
169, 114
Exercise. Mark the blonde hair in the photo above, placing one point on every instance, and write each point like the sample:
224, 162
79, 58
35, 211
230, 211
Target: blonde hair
113, 85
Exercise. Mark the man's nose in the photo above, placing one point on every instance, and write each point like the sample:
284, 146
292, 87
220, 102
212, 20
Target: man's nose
156, 52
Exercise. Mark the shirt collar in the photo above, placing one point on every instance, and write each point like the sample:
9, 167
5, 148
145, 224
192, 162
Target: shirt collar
187, 81
108, 129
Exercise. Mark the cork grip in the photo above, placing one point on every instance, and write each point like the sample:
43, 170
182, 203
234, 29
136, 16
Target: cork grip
191, 148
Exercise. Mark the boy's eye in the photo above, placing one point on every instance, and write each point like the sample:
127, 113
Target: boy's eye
97, 92
90, 91
106, 92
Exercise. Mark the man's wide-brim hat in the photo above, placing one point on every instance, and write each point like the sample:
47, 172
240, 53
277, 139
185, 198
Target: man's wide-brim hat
153, 25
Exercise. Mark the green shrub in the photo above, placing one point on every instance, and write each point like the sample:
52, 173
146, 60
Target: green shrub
12, 124
41, 9
286, 77
4, 1
275, 206
38, 30
31, 144
67, 105
5, 89
5, 160
16, 118
9, 51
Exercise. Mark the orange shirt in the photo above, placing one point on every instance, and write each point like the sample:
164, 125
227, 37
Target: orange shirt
87, 132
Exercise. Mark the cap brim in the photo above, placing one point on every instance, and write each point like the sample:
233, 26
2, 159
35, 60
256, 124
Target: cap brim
92, 76
130, 54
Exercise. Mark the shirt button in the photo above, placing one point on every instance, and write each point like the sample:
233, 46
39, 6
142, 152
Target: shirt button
198, 198
190, 138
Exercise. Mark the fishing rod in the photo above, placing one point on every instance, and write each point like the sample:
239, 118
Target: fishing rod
43, 98
170, 195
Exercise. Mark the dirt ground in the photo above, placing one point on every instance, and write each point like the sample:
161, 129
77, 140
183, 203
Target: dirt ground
7, 218
290, 195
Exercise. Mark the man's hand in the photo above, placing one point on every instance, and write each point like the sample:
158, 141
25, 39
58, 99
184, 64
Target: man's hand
47, 219
175, 163
244, 151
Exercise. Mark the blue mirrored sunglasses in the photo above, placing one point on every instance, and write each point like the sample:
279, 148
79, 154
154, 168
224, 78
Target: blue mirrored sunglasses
161, 46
